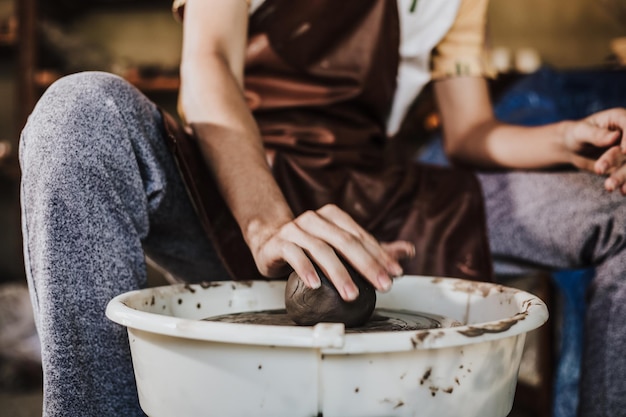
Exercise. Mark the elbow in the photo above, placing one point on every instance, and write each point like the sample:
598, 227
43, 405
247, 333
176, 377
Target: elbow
470, 145
454, 150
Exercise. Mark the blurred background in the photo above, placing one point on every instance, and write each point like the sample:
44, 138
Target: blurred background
140, 40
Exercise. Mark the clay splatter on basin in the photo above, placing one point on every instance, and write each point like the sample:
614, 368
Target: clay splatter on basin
185, 365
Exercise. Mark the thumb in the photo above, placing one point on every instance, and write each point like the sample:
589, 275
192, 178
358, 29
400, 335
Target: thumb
597, 136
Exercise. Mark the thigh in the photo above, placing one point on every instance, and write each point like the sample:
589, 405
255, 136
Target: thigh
96, 140
552, 219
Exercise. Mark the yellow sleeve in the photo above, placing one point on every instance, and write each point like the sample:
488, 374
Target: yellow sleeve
462, 50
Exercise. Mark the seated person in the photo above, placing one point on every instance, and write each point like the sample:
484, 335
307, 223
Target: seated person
291, 107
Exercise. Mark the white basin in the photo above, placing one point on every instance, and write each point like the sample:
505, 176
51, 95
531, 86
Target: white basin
192, 368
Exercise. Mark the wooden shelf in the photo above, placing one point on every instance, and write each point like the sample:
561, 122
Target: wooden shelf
158, 83
147, 84
8, 31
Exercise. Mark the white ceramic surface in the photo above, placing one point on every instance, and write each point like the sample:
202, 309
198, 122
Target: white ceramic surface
191, 368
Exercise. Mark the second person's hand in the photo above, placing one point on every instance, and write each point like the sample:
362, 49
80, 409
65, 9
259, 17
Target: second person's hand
598, 145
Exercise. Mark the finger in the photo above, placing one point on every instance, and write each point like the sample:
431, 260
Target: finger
343, 220
349, 246
609, 161
613, 119
399, 249
616, 180
301, 264
584, 163
323, 255
597, 136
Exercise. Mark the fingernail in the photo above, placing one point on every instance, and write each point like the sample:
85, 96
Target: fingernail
384, 282
314, 281
610, 184
395, 269
350, 292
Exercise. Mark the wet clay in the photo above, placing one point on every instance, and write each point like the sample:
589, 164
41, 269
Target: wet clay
306, 306
382, 320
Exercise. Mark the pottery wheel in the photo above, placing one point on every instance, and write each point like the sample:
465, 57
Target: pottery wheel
383, 320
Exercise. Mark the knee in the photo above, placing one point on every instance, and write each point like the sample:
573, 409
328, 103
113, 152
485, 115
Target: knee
72, 115
86, 85
77, 96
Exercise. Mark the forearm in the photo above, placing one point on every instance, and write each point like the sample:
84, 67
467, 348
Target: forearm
492, 144
474, 137
215, 109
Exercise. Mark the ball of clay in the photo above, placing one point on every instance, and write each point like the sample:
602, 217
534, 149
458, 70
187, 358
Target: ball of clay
306, 306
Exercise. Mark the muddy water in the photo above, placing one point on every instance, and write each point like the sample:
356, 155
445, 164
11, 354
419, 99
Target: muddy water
383, 320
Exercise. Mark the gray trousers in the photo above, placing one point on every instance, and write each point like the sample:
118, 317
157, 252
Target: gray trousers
100, 191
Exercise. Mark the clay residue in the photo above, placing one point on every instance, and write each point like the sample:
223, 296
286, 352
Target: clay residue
418, 338
396, 403
434, 388
527, 304
483, 288
497, 327
209, 284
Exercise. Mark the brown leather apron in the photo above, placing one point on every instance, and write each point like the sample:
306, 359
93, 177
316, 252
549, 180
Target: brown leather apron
320, 78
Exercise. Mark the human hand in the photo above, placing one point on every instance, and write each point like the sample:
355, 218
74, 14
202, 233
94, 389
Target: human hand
598, 144
319, 236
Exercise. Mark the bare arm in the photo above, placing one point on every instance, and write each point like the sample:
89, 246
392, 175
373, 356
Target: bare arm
473, 135
213, 105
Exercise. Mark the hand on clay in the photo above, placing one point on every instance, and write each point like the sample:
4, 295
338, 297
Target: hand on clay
321, 235
598, 144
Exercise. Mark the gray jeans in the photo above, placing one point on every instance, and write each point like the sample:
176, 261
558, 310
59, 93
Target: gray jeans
567, 220
100, 190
